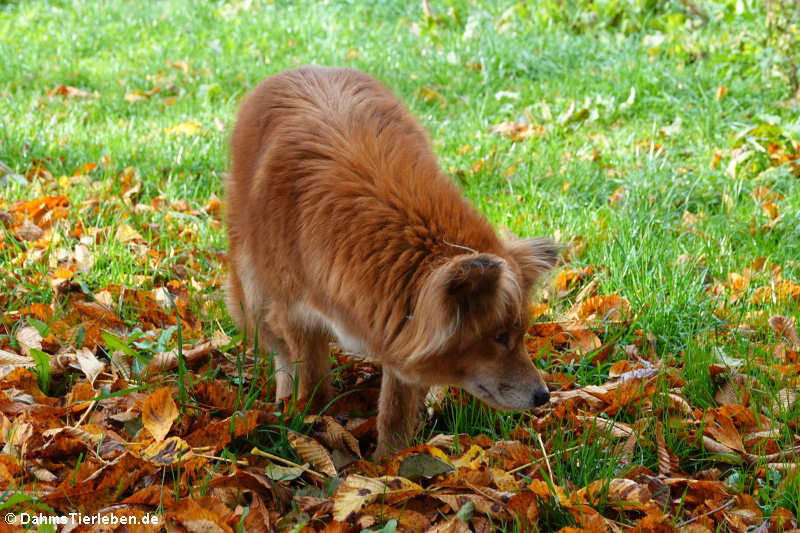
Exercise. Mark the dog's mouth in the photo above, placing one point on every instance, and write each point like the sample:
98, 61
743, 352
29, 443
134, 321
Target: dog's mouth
504, 399
484, 394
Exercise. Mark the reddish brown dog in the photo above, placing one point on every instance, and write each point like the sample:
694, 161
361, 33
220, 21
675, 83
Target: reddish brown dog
341, 223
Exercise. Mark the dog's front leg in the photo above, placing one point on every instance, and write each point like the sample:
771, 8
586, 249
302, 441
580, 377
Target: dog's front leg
399, 410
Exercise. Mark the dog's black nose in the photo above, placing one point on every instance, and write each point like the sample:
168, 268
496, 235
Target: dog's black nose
541, 397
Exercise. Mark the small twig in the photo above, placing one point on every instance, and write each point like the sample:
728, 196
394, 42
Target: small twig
546, 460
712, 511
479, 491
240, 462
87, 411
262, 453
537, 461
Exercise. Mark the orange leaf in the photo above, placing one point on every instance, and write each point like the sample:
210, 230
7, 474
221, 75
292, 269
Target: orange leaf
196, 517
159, 412
610, 307
721, 428
770, 209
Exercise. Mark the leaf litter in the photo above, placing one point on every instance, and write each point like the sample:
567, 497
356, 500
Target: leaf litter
100, 445
109, 425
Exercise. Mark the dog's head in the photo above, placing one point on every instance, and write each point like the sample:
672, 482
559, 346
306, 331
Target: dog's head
470, 321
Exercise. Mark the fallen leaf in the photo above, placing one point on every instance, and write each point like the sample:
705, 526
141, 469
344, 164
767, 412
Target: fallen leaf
29, 232
422, 465
89, 364
668, 462
605, 308
167, 451
159, 412
196, 518
518, 131
785, 327
29, 339
126, 233
281, 472
189, 127
71, 92
357, 491
312, 452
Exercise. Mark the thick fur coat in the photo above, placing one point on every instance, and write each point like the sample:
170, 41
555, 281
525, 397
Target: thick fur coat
342, 224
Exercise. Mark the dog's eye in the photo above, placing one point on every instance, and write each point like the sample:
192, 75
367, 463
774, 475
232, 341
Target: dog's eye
502, 338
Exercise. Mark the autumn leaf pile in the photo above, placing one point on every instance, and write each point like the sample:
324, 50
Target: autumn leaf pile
90, 423
125, 391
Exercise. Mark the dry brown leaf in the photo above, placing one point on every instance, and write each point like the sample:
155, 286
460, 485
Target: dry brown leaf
763, 193
193, 355
786, 399
621, 493
614, 429
456, 525
312, 452
357, 491
610, 307
518, 131
495, 509
196, 518
168, 451
71, 92
407, 519
721, 428
668, 462
334, 435
744, 515
159, 412
258, 517
10, 360
190, 127
770, 209
785, 327
89, 364
574, 335
218, 395
28, 338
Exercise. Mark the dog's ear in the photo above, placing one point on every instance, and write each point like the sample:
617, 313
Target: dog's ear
470, 280
534, 257
462, 287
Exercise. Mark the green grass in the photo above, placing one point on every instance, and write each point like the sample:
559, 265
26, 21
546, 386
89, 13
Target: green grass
477, 65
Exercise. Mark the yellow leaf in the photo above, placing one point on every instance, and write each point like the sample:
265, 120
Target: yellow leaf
189, 127
126, 233
474, 456
159, 412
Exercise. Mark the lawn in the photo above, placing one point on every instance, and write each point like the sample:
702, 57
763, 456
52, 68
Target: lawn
659, 142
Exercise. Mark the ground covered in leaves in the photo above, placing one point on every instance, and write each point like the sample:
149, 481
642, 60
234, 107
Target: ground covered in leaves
660, 145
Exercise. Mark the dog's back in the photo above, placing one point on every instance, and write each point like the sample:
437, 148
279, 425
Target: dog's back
335, 184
